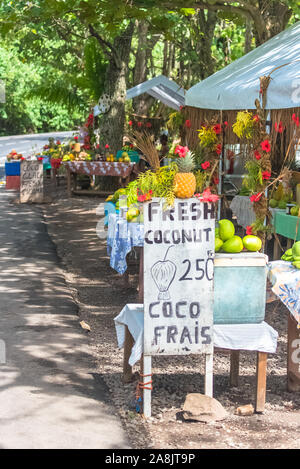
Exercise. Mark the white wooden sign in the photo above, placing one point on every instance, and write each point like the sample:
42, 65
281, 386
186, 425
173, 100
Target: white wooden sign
31, 186
178, 277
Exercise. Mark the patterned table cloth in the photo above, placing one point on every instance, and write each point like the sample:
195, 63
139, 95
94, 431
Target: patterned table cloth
101, 168
121, 238
285, 281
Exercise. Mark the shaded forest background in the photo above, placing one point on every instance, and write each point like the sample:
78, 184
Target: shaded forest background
57, 57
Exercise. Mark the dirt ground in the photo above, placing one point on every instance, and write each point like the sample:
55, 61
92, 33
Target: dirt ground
100, 294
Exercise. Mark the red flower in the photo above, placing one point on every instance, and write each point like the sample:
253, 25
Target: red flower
149, 125
296, 120
181, 151
219, 149
139, 124
279, 127
207, 196
265, 145
181, 107
141, 198
256, 118
205, 165
256, 197
107, 146
216, 180
225, 124
130, 123
266, 175
76, 138
257, 155
217, 129
188, 123
249, 231
40, 158
58, 142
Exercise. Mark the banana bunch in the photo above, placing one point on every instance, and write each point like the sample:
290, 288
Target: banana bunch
293, 255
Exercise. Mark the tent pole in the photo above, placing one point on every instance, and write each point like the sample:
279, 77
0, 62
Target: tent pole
221, 168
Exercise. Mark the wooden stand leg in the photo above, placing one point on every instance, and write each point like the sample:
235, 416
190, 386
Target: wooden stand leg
69, 190
293, 364
276, 250
234, 368
125, 278
208, 385
261, 381
147, 370
127, 369
141, 277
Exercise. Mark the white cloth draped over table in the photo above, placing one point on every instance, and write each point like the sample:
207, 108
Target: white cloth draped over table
252, 337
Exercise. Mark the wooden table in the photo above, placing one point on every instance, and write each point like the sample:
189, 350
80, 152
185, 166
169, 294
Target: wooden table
97, 168
261, 370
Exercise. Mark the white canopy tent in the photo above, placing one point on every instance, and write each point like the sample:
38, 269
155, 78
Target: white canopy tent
237, 86
162, 89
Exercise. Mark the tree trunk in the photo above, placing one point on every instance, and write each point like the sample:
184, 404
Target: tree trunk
204, 23
248, 36
141, 103
272, 18
112, 123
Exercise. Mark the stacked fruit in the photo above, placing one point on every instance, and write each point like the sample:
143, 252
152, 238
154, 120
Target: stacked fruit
125, 158
280, 198
227, 241
293, 255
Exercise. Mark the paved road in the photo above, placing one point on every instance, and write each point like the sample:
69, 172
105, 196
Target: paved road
26, 144
50, 396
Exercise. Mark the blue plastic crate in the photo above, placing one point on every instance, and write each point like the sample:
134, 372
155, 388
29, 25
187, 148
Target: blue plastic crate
13, 168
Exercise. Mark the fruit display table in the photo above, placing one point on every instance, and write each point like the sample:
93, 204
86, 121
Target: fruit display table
286, 226
285, 281
242, 208
98, 168
260, 338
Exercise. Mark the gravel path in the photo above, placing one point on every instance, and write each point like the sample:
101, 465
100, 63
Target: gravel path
100, 294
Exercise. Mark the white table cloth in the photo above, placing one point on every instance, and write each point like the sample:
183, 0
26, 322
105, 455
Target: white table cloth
253, 337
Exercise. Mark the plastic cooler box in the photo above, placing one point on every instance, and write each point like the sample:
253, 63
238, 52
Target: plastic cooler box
240, 282
13, 168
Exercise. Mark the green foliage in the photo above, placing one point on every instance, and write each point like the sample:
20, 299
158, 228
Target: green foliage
254, 179
244, 125
19, 114
161, 183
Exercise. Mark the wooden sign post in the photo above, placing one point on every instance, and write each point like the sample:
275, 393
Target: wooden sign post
178, 284
31, 186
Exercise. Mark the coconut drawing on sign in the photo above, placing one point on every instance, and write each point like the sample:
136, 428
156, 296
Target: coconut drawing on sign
163, 274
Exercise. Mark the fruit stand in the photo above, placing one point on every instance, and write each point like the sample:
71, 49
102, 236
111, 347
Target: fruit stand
97, 168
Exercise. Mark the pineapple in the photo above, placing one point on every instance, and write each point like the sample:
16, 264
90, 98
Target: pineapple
185, 181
